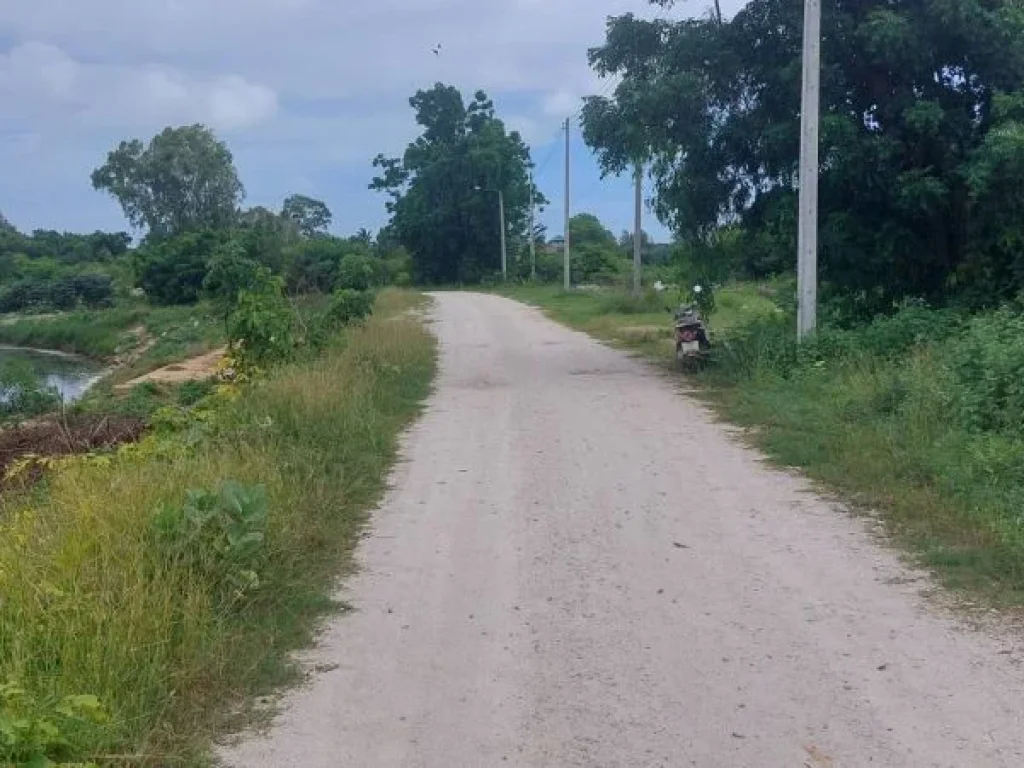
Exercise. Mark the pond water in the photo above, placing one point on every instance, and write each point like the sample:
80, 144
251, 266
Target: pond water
71, 376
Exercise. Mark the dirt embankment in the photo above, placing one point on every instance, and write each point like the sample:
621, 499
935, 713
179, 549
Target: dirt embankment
54, 438
193, 369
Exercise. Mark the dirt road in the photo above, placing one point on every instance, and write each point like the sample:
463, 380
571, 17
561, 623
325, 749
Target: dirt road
577, 567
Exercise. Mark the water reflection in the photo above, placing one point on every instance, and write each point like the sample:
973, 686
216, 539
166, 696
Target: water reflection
70, 376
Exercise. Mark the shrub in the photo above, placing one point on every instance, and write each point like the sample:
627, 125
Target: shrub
173, 271
21, 391
33, 736
230, 273
987, 363
260, 325
218, 536
95, 289
349, 306
346, 307
312, 264
355, 272
767, 346
593, 263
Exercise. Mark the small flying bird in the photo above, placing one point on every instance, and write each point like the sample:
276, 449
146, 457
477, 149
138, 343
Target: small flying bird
437, 50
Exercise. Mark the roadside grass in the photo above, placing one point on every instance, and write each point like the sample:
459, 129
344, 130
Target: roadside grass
92, 605
173, 333
642, 324
915, 418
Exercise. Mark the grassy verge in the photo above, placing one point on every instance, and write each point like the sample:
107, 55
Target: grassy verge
100, 333
643, 323
171, 611
917, 417
166, 333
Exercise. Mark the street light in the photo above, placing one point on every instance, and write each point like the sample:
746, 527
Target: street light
501, 217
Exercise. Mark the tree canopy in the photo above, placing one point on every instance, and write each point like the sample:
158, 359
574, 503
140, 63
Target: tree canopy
184, 180
443, 191
921, 137
311, 216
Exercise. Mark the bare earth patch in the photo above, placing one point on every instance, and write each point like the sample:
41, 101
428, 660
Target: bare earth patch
197, 368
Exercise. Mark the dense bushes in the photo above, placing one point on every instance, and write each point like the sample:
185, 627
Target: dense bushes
265, 329
920, 415
91, 289
179, 270
356, 272
173, 271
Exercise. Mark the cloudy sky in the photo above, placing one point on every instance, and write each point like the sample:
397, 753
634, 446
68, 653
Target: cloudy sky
306, 92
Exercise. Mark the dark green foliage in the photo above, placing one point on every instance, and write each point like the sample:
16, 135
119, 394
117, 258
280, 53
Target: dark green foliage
443, 191
261, 324
191, 392
310, 217
219, 536
92, 290
349, 306
312, 265
595, 255
922, 189
52, 270
183, 181
346, 307
64, 247
173, 271
987, 366
356, 272
592, 263
229, 272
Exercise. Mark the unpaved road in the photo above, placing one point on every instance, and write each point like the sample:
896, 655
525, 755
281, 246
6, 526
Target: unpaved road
578, 568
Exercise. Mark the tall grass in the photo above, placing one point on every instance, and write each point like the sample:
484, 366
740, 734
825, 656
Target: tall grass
172, 332
90, 605
97, 333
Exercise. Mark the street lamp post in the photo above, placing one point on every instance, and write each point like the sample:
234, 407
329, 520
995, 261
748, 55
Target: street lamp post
501, 218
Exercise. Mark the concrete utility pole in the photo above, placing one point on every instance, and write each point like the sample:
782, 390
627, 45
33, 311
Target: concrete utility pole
504, 251
638, 232
567, 281
807, 239
533, 239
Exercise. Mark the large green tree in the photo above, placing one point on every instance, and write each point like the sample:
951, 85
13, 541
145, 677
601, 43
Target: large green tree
443, 191
915, 196
184, 180
311, 216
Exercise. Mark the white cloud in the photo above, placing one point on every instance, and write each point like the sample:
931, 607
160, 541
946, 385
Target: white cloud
42, 81
37, 68
295, 85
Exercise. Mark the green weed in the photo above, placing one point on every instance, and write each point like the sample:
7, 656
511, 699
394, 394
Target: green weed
174, 609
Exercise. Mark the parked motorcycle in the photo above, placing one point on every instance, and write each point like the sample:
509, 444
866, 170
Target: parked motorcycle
692, 343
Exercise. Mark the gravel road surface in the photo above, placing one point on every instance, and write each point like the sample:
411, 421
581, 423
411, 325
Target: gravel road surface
578, 567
